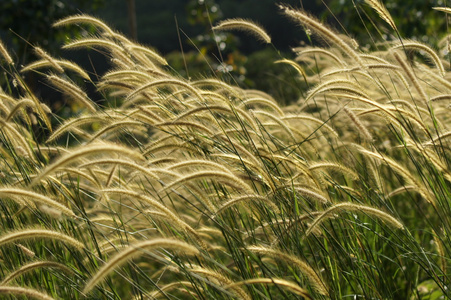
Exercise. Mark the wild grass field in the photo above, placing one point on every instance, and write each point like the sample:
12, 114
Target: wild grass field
200, 189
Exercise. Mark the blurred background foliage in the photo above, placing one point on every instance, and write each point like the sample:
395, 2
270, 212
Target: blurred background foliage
415, 19
29, 22
181, 30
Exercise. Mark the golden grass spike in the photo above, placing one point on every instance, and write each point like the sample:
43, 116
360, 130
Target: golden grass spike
17, 137
149, 116
409, 72
279, 121
303, 51
84, 151
186, 125
88, 174
169, 287
382, 66
263, 101
257, 93
340, 82
77, 121
25, 292
163, 140
19, 104
72, 90
401, 189
45, 108
6, 99
93, 42
310, 274
34, 265
121, 59
39, 108
440, 98
240, 150
431, 77
225, 178
171, 147
201, 163
321, 30
293, 287
150, 201
244, 25
410, 105
244, 198
295, 65
223, 280
5, 54
350, 91
309, 117
77, 19
63, 63
151, 53
219, 85
438, 138
406, 115
116, 126
245, 115
422, 47
335, 166
244, 163
114, 35
234, 111
141, 60
310, 194
210, 108
26, 251
120, 74
133, 251
382, 12
443, 9
370, 102
38, 233
37, 198
401, 171
165, 82
122, 162
441, 252
51, 60
348, 207
361, 128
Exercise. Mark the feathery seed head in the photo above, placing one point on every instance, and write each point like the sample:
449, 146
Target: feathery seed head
383, 12
244, 25
133, 251
321, 30
5, 54
27, 234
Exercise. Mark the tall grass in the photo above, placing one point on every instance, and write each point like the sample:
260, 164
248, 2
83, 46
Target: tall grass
202, 189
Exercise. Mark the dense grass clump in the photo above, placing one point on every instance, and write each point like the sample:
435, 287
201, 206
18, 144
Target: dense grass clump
201, 189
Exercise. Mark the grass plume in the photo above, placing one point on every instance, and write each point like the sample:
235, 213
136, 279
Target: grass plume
382, 12
27, 234
133, 251
246, 26
179, 187
309, 273
348, 207
32, 266
321, 30
25, 292
17, 193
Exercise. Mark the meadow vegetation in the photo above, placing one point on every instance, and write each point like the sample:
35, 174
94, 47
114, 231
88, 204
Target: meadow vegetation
200, 189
